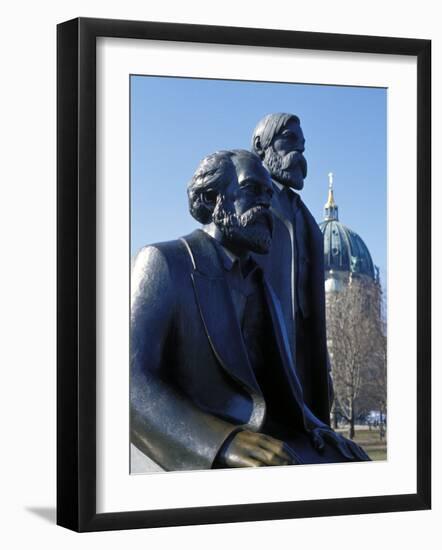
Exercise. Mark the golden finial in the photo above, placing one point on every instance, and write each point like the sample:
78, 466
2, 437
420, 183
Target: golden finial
330, 208
331, 199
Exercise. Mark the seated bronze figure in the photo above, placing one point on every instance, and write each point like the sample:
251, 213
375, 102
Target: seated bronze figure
214, 381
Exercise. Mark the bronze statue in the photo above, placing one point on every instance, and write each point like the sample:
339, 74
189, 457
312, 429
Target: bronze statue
295, 270
214, 382
295, 266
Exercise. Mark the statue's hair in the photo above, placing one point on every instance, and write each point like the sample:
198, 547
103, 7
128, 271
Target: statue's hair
213, 174
268, 127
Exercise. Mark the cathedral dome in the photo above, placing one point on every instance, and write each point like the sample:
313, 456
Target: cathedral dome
344, 250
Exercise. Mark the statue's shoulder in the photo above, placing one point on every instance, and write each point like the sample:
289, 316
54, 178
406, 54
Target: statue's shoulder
176, 259
168, 249
165, 259
302, 206
308, 216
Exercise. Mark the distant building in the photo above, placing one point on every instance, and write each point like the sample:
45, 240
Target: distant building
345, 254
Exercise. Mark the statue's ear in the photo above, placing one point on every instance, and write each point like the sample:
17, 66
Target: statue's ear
258, 147
203, 205
208, 198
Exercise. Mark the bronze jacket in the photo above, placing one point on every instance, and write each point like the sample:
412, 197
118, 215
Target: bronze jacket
294, 268
191, 381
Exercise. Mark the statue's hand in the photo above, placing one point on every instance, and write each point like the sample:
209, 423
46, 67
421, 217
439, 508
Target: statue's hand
349, 449
249, 449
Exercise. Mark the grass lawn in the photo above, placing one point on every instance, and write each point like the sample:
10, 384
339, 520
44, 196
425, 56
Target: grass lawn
369, 440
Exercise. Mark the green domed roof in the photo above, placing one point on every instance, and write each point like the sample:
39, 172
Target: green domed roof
344, 250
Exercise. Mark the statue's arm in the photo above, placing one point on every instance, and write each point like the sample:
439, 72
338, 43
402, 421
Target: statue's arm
165, 424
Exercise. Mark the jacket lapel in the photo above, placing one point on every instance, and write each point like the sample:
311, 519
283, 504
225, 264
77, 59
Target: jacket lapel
222, 328
217, 312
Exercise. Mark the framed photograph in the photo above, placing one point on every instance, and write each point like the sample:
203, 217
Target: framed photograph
243, 274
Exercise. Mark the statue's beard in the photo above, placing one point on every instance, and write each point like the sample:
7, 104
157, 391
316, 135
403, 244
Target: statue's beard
251, 231
289, 170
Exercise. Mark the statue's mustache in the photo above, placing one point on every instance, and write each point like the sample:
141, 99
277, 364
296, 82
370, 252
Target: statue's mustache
293, 159
255, 214
229, 219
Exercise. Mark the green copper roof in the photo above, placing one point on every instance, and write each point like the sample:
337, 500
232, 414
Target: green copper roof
344, 250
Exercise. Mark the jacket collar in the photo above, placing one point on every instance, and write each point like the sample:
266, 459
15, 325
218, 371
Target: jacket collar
219, 319
222, 327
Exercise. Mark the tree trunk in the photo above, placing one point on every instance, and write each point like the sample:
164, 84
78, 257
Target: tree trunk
335, 419
382, 425
352, 423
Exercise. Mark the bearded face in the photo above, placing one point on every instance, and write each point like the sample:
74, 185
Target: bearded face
251, 231
289, 169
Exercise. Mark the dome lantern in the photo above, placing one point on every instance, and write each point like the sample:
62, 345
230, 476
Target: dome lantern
330, 207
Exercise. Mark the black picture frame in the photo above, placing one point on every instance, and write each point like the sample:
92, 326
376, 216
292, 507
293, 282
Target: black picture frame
76, 273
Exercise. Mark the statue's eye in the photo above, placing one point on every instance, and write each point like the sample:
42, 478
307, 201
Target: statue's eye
254, 188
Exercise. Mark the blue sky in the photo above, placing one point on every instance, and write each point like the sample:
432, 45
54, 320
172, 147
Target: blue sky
175, 122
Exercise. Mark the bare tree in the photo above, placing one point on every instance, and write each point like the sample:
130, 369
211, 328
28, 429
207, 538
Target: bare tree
356, 343
375, 372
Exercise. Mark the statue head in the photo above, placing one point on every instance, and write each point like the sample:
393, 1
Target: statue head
278, 140
232, 191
